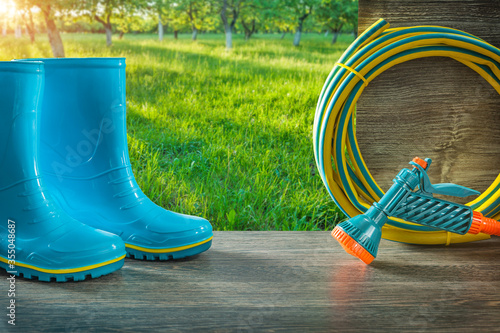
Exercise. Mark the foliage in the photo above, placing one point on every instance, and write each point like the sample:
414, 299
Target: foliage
172, 15
134, 23
75, 26
300, 9
199, 13
104, 10
338, 14
246, 16
258, 14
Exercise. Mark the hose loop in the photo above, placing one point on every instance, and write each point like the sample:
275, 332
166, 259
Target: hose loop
336, 150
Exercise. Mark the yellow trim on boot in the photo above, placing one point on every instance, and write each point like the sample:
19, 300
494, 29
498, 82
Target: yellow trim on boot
64, 271
167, 250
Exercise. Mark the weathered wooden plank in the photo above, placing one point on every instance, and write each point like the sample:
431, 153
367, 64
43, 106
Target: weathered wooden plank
432, 107
277, 281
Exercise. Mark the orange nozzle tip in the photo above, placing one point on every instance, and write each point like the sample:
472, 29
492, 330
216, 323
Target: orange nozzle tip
420, 162
351, 246
483, 224
477, 221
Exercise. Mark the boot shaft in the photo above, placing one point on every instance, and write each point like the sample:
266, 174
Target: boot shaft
85, 162
21, 91
83, 130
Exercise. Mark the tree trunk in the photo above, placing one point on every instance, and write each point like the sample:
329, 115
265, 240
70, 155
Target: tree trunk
227, 27
176, 34
109, 33
283, 35
335, 36
248, 32
298, 34
336, 32
54, 37
195, 33
246, 29
326, 32
107, 27
296, 39
31, 33
120, 36
30, 27
160, 28
229, 39
233, 21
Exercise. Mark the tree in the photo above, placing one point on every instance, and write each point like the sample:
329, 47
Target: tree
338, 14
30, 25
103, 10
301, 10
175, 18
279, 17
251, 13
249, 26
49, 8
160, 27
158, 9
271, 15
24, 8
171, 13
198, 14
137, 22
230, 10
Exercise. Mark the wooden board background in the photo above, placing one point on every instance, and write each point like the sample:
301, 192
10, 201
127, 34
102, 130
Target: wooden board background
434, 107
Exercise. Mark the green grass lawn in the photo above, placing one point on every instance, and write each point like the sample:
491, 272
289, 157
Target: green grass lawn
223, 135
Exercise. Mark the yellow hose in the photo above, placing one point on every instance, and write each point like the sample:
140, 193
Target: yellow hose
336, 150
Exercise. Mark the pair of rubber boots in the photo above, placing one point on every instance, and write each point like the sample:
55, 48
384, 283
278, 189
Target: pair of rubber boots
70, 207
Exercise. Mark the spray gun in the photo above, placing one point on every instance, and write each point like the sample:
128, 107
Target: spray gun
411, 198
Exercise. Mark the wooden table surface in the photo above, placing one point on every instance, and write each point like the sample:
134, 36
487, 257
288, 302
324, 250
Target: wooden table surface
276, 281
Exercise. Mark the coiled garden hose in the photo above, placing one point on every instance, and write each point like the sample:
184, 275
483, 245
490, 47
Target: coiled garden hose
336, 151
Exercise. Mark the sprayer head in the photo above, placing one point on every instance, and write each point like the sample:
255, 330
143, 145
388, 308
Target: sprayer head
359, 236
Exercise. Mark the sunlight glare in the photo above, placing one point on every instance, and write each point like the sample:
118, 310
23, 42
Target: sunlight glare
7, 8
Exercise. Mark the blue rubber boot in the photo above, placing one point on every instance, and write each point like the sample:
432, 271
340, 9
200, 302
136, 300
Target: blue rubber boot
37, 238
86, 161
